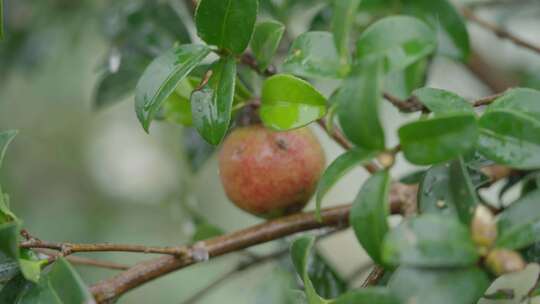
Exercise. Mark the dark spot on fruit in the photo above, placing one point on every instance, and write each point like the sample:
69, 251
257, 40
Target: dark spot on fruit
281, 143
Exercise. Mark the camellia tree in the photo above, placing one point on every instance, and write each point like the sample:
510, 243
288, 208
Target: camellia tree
449, 246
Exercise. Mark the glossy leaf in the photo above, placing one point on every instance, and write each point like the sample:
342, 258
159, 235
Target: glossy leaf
211, 106
511, 138
440, 286
30, 265
443, 17
344, 13
438, 139
265, 42
337, 169
519, 225
326, 281
462, 190
227, 24
162, 76
434, 194
177, 109
60, 285
369, 295
5, 139
358, 106
300, 254
430, 241
402, 83
9, 268
369, 214
400, 40
522, 100
1, 20
314, 54
288, 102
442, 102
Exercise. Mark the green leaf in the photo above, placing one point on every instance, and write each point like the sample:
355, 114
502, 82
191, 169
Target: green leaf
442, 102
511, 138
369, 214
462, 190
300, 255
9, 268
13, 290
402, 83
337, 169
400, 40
522, 100
60, 285
205, 231
5, 139
439, 286
344, 13
9, 235
211, 106
162, 76
438, 139
434, 194
358, 105
1, 20
227, 24
289, 102
30, 265
313, 55
430, 241
177, 109
519, 225
369, 295
112, 87
265, 42
326, 281
443, 17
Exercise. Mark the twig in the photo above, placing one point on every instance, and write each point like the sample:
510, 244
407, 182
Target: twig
249, 60
412, 104
374, 276
96, 263
69, 248
501, 33
109, 289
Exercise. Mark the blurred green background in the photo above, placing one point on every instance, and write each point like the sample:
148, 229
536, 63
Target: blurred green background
80, 175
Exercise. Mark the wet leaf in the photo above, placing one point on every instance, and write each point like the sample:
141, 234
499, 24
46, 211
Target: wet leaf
358, 105
519, 225
162, 77
511, 138
430, 241
443, 17
265, 42
399, 40
438, 139
442, 102
337, 169
463, 193
344, 13
211, 106
314, 54
289, 102
369, 214
440, 286
227, 24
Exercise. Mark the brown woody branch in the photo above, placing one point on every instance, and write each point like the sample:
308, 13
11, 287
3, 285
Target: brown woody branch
110, 289
500, 32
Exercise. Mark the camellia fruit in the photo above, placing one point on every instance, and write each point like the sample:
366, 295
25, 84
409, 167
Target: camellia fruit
269, 173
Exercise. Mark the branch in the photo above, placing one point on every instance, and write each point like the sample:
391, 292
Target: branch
412, 104
501, 33
110, 289
69, 248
